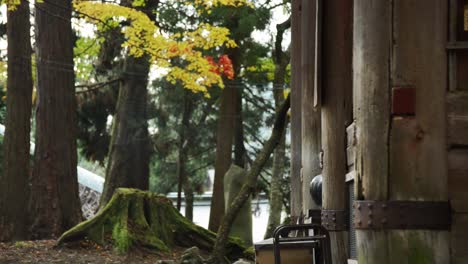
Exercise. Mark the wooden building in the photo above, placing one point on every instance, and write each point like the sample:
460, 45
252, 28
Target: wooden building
381, 87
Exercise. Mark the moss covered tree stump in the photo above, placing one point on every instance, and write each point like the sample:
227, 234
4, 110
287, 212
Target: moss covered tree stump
135, 218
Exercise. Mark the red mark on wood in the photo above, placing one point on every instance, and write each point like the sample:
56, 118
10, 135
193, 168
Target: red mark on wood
403, 101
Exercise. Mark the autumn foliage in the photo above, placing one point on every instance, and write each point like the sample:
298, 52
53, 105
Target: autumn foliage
222, 67
144, 37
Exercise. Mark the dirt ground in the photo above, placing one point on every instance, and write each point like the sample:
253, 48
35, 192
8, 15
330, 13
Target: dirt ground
46, 251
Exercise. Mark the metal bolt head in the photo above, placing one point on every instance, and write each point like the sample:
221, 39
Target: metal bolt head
359, 207
384, 221
334, 219
370, 206
369, 222
370, 215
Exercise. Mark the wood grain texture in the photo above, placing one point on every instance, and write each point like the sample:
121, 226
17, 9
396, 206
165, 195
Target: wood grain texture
423, 64
371, 63
311, 139
458, 179
458, 237
457, 107
296, 118
418, 155
336, 84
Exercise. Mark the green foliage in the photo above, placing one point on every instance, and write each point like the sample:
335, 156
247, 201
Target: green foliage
167, 110
85, 51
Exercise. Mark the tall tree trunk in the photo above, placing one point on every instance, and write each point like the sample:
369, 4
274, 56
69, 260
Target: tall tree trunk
296, 115
185, 143
311, 139
228, 132
337, 81
224, 140
240, 154
281, 60
129, 150
129, 154
14, 189
189, 198
54, 203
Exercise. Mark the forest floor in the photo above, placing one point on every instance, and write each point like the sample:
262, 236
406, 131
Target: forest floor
46, 251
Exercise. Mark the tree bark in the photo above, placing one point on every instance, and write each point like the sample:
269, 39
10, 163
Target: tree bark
54, 203
248, 188
240, 158
129, 153
224, 140
14, 189
311, 139
337, 81
184, 144
296, 162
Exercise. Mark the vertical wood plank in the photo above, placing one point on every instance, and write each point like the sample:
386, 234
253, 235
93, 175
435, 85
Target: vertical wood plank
418, 159
457, 109
296, 188
458, 180
311, 145
336, 82
371, 62
459, 233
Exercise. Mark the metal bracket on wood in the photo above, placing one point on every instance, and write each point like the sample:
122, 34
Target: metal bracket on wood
335, 220
425, 215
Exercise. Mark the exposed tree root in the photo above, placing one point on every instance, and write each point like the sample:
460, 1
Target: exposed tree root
135, 218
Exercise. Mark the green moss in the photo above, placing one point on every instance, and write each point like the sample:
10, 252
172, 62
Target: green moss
122, 240
134, 218
407, 246
419, 252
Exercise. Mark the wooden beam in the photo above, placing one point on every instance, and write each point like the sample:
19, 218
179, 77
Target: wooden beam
296, 188
311, 145
336, 84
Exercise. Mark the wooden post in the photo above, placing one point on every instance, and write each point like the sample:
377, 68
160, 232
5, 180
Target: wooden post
371, 84
418, 145
401, 44
336, 83
311, 145
296, 188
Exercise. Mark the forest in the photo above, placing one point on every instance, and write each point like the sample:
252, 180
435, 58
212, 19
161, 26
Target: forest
159, 103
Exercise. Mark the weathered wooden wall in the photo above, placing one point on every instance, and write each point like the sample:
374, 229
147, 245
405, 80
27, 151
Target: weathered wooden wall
401, 44
457, 120
418, 164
